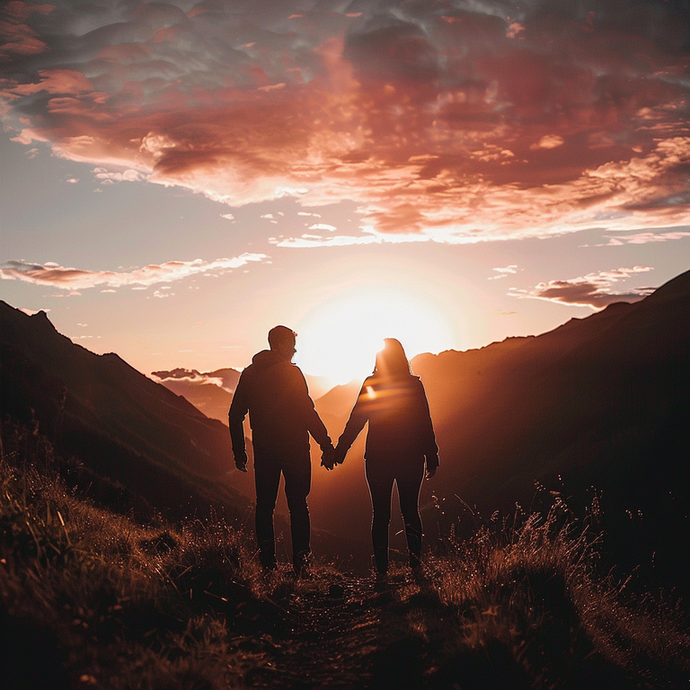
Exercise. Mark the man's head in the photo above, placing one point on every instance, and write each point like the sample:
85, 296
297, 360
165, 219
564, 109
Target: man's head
282, 340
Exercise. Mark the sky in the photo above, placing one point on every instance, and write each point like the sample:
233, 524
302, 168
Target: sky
178, 177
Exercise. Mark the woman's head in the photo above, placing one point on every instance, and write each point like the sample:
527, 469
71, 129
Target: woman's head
392, 361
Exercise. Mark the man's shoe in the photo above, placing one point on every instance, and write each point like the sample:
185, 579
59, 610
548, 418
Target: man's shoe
268, 565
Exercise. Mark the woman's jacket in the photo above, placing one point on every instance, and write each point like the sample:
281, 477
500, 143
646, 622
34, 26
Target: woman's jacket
400, 428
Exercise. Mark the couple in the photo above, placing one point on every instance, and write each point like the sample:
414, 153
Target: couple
400, 445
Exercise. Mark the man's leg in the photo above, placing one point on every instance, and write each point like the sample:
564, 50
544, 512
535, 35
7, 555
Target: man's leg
267, 479
297, 487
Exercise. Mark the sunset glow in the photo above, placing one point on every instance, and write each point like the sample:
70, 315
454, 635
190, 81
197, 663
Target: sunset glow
340, 339
185, 175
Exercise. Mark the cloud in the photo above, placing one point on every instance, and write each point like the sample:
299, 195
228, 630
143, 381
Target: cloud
642, 238
223, 378
80, 279
31, 312
323, 226
128, 175
504, 272
548, 141
369, 236
592, 290
482, 121
18, 38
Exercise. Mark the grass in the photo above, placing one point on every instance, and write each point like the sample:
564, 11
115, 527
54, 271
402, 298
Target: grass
88, 594
92, 598
530, 596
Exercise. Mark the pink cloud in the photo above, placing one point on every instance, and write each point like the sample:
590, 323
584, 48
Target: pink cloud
448, 129
643, 238
548, 141
66, 81
504, 272
16, 37
592, 290
79, 279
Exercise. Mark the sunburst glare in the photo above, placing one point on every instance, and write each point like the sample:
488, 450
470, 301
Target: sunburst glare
339, 339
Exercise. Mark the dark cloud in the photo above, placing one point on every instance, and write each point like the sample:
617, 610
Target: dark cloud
396, 53
456, 121
79, 279
592, 290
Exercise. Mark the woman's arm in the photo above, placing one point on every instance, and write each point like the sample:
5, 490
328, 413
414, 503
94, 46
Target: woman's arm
428, 437
355, 424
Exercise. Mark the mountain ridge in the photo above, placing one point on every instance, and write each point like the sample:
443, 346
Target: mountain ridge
596, 402
120, 423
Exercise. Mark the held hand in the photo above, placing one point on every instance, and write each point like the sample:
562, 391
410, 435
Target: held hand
328, 458
339, 456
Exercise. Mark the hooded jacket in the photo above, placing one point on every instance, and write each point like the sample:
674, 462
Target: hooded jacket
400, 429
281, 414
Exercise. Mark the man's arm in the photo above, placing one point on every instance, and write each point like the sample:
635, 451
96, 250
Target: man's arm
314, 424
238, 411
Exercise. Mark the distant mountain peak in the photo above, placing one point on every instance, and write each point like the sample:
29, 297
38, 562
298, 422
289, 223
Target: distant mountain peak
177, 373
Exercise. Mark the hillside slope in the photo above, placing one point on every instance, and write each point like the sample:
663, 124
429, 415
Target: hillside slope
117, 421
599, 402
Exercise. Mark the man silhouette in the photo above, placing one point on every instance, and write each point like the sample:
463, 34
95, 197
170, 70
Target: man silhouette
281, 414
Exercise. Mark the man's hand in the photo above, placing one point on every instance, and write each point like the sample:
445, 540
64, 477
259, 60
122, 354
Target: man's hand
241, 462
431, 466
328, 457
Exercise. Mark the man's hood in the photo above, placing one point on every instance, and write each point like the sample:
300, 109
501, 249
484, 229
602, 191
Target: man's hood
267, 358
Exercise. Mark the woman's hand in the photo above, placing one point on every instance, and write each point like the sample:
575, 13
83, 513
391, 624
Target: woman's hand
339, 456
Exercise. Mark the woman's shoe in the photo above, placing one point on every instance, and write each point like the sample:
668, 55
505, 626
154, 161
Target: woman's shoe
381, 583
418, 574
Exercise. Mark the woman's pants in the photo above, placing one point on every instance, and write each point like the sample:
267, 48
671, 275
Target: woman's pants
380, 479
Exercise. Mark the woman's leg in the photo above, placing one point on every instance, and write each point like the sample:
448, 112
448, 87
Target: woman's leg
380, 487
408, 492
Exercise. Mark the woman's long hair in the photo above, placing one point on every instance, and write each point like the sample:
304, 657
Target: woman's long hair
392, 361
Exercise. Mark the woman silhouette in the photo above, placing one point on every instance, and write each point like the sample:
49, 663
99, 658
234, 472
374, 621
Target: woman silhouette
399, 440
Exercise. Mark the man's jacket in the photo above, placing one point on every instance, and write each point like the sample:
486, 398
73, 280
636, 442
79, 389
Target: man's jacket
281, 413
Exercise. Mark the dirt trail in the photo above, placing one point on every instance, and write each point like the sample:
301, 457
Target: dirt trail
343, 634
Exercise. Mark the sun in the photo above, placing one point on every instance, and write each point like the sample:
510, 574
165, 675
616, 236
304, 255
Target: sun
340, 338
